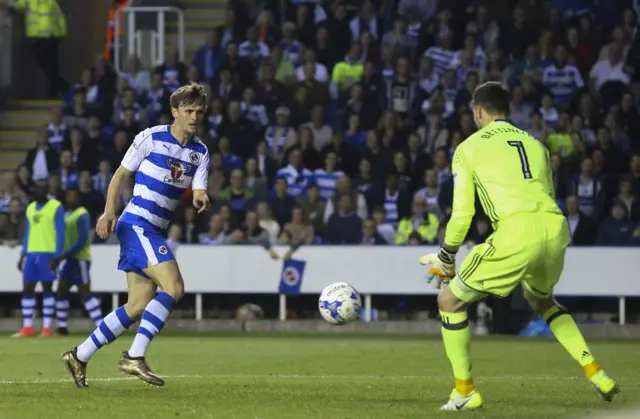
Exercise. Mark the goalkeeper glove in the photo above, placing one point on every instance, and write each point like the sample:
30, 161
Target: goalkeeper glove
443, 268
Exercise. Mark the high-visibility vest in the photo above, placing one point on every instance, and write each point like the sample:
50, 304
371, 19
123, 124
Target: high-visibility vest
111, 28
41, 237
71, 233
42, 18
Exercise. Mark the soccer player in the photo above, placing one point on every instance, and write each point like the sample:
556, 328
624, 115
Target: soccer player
43, 240
166, 160
511, 172
75, 263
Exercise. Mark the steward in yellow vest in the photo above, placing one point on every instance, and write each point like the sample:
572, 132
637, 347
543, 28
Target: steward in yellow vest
423, 222
75, 263
45, 24
43, 241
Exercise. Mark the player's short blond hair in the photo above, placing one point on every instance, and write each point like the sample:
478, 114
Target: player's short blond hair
192, 94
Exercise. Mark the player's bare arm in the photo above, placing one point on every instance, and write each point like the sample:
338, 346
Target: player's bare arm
107, 222
201, 200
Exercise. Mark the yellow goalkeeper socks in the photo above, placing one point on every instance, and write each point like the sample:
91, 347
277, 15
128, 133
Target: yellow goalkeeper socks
456, 336
566, 331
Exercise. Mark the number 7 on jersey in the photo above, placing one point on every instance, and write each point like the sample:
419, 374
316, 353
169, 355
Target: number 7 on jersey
524, 161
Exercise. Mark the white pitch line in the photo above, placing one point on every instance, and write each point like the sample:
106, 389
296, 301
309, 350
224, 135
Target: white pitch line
300, 377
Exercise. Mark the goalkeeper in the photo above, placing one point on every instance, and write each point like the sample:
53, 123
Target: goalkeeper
511, 173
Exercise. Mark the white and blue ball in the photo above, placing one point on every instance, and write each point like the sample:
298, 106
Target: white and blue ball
340, 303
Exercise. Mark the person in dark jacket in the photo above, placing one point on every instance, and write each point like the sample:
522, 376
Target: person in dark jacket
344, 226
280, 203
616, 230
42, 159
583, 228
370, 234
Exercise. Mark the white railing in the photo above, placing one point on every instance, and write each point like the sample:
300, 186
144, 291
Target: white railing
378, 270
134, 36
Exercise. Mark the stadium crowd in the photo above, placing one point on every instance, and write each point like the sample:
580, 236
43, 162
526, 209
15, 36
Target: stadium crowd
335, 122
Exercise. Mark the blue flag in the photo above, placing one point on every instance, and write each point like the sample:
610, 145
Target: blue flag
291, 278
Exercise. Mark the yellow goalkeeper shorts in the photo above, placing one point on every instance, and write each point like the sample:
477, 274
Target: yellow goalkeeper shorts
526, 248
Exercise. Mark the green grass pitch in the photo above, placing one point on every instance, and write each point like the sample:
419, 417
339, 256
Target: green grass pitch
303, 377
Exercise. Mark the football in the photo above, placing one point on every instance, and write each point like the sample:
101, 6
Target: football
340, 303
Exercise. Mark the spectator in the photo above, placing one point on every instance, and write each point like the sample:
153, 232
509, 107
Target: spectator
401, 92
562, 78
588, 189
156, 99
229, 31
281, 135
76, 113
347, 72
327, 177
369, 234
121, 143
230, 161
614, 158
292, 49
421, 221
267, 222
252, 48
174, 71
530, 66
239, 199
347, 156
344, 226
139, 79
479, 232
242, 138
285, 71
311, 158
317, 92
537, 128
299, 228
399, 38
252, 233
280, 202
609, 69
56, 130
12, 224
42, 159
321, 132
442, 55
93, 200
627, 198
9, 190
383, 228
343, 187
402, 170
25, 180
563, 141
314, 207
396, 202
216, 235
271, 92
582, 227
95, 138
520, 110
560, 177
102, 179
243, 69
254, 181
192, 226
267, 165
209, 56
431, 193
297, 176
83, 156
129, 124
616, 230
54, 187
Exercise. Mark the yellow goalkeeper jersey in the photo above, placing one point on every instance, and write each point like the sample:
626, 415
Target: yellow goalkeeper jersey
510, 170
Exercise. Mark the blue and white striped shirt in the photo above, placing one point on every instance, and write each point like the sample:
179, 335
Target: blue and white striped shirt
259, 50
327, 182
164, 171
297, 180
443, 59
391, 206
562, 82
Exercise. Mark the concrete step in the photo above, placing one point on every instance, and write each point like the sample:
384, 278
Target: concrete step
33, 104
9, 166
22, 124
190, 39
27, 114
214, 17
203, 4
16, 145
24, 136
15, 157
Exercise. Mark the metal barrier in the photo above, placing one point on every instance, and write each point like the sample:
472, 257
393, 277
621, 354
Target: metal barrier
134, 44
